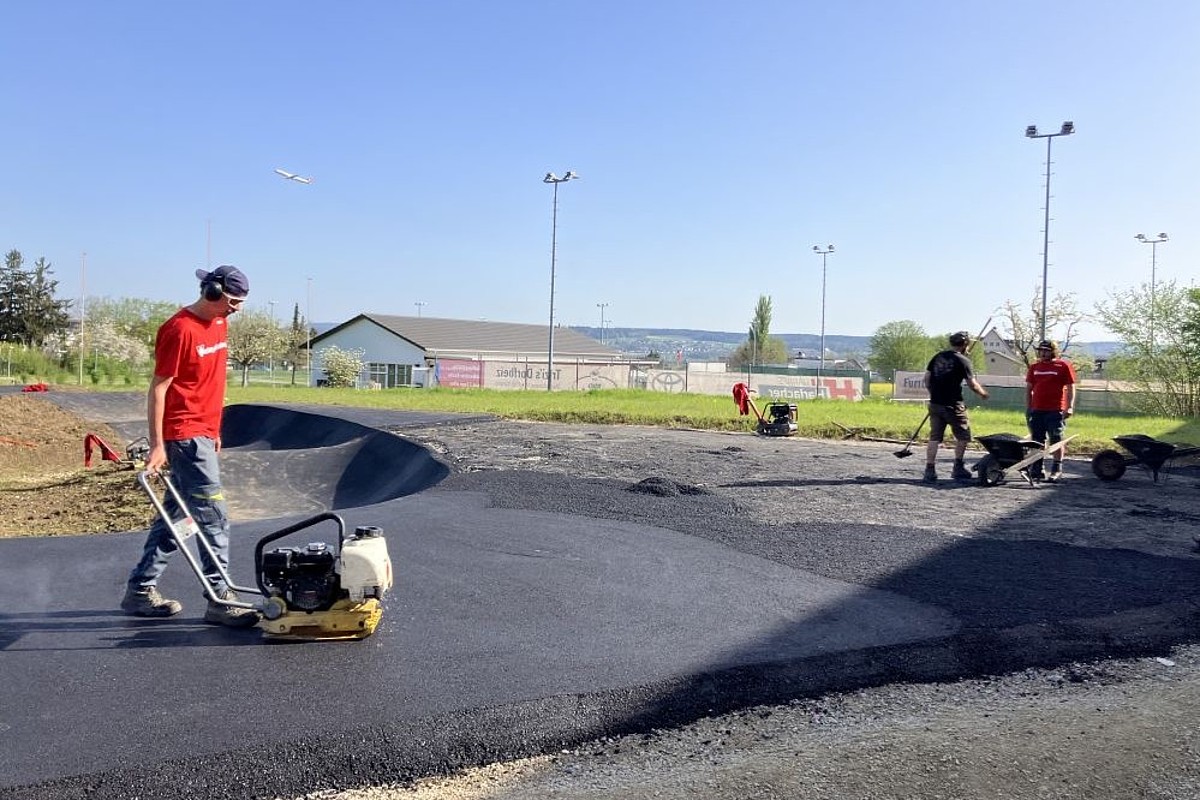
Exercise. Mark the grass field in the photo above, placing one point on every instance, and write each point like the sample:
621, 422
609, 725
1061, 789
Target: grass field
875, 417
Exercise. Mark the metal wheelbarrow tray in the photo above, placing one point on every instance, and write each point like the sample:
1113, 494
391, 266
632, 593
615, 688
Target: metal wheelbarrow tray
1153, 454
1009, 452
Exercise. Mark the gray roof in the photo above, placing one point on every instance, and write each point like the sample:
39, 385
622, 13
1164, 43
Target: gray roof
445, 336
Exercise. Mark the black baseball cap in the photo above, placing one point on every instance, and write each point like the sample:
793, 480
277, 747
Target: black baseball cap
233, 281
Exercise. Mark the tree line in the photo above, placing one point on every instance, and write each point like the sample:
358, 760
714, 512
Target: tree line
113, 336
29, 311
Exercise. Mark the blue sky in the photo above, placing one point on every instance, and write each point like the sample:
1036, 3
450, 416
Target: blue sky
716, 143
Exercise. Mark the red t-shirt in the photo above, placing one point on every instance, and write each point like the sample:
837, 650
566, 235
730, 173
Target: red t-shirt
192, 352
1048, 381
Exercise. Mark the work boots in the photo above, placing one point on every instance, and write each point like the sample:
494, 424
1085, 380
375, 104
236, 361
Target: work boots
960, 473
930, 475
232, 616
145, 601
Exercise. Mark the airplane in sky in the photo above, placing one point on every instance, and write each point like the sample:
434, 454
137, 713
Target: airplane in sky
291, 176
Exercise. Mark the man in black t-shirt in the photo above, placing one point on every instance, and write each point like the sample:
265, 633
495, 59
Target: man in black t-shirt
944, 378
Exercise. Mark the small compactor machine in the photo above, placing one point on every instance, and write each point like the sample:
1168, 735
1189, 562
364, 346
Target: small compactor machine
307, 593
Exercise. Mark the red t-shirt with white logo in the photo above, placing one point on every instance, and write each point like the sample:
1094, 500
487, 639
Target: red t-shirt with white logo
192, 352
1048, 381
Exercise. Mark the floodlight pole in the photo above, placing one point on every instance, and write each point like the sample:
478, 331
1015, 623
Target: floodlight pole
1154, 243
554, 180
823, 254
601, 306
1031, 132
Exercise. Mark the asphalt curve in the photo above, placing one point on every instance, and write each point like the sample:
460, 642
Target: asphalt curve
508, 632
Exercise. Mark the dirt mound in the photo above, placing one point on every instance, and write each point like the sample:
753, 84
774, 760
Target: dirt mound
665, 487
44, 488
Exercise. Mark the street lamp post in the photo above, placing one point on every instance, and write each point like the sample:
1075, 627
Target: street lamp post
824, 254
1031, 132
601, 306
308, 330
8, 352
554, 180
82, 308
271, 358
418, 304
753, 346
24, 340
1154, 243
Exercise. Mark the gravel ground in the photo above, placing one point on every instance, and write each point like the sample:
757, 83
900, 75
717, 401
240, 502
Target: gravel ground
1096, 728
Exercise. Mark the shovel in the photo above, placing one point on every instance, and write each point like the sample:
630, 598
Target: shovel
906, 451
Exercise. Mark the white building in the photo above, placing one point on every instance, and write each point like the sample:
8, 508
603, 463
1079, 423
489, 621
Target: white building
423, 351
999, 356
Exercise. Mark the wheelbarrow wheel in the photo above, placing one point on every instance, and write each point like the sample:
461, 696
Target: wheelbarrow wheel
1108, 465
990, 471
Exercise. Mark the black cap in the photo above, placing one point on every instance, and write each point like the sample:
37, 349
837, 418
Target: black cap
234, 282
959, 338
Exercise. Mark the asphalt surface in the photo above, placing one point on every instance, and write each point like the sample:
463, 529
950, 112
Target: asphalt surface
531, 612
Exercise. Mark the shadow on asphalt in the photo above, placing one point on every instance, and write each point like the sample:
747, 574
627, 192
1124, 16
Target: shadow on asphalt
1021, 603
112, 631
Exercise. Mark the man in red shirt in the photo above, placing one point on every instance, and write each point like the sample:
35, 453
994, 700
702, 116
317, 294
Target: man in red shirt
185, 402
1049, 401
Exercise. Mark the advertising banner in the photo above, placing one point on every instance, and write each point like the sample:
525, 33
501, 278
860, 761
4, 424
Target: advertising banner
458, 373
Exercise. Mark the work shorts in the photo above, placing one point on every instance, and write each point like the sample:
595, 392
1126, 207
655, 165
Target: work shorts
955, 416
1043, 424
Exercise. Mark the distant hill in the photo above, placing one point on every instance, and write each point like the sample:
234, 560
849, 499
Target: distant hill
697, 345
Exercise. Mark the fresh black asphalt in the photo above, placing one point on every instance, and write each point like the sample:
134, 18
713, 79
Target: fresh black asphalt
530, 612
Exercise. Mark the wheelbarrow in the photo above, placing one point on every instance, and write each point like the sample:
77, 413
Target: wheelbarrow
1151, 453
1008, 452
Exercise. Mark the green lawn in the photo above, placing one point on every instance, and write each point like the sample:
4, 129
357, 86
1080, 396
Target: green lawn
876, 416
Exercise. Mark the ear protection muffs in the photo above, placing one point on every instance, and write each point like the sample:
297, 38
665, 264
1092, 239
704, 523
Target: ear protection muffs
213, 290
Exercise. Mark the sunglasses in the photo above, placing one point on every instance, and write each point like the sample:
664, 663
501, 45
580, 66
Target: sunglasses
234, 302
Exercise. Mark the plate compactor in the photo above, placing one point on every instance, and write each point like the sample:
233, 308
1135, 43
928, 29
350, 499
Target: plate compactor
779, 419
307, 593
